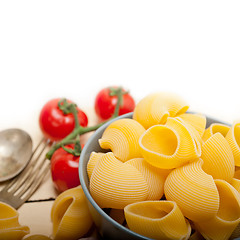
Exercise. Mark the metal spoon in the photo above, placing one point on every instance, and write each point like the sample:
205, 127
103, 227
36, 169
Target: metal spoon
15, 152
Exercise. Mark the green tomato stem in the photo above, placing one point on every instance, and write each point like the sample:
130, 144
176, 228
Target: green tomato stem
79, 130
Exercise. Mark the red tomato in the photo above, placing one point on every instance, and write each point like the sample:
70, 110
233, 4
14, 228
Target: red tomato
105, 104
64, 169
56, 125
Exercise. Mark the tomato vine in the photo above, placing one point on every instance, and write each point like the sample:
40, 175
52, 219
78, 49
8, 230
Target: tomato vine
74, 136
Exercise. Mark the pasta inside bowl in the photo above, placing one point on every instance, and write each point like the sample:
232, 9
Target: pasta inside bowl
111, 227
106, 225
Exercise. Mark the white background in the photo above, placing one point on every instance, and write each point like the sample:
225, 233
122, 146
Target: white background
74, 48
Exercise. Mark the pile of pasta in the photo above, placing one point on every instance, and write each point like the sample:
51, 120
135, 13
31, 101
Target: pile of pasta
70, 217
10, 228
167, 174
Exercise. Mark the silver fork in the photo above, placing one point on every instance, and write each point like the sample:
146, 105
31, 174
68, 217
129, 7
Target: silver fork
21, 188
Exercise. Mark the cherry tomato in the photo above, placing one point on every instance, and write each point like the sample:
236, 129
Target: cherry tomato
105, 103
56, 125
64, 169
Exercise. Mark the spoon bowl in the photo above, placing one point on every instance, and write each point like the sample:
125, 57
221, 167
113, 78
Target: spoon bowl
15, 152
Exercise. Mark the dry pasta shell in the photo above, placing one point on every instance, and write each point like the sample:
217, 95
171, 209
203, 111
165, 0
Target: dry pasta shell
236, 184
70, 215
169, 146
236, 180
160, 220
218, 158
114, 184
215, 128
193, 190
233, 137
157, 107
16, 233
122, 137
37, 237
194, 132
196, 120
222, 225
9, 225
155, 177
93, 160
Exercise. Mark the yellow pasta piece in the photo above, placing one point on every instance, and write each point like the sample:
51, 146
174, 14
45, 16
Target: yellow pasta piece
10, 228
222, 225
93, 159
193, 190
155, 177
161, 220
194, 132
218, 158
122, 137
37, 237
196, 120
70, 215
215, 128
169, 146
114, 184
157, 107
233, 137
236, 181
236, 184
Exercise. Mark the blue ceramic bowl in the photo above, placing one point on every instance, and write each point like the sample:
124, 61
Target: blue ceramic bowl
107, 227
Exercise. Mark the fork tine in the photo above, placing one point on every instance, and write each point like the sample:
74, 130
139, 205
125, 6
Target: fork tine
23, 176
37, 182
35, 178
26, 183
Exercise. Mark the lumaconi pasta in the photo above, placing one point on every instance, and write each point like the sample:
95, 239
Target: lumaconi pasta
221, 225
194, 132
233, 137
70, 215
114, 184
93, 159
155, 177
169, 146
10, 228
37, 237
144, 114
193, 190
196, 120
180, 172
157, 107
218, 158
215, 128
122, 138
236, 181
157, 220
236, 184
